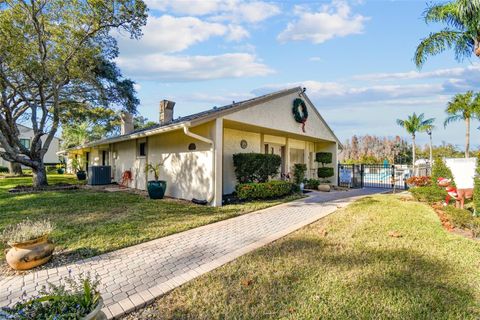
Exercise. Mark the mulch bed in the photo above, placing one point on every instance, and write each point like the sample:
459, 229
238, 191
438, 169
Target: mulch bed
439, 210
53, 187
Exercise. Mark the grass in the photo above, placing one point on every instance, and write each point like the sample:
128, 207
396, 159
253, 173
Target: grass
379, 258
90, 223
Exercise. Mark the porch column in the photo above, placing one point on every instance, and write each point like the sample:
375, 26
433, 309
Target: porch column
287, 155
218, 170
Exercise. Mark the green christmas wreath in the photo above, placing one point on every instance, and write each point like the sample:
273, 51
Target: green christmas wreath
300, 112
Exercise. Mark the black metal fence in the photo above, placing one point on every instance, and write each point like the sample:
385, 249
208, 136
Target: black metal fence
373, 176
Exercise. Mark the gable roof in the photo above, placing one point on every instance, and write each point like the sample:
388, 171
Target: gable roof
204, 116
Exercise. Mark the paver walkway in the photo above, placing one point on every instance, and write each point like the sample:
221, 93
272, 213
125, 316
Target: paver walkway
134, 276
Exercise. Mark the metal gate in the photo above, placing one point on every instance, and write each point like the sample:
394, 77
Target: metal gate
372, 176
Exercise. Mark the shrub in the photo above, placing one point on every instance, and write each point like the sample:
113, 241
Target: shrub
476, 188
463, 219
51, 169
312, 184
420, 181
440, 169
4, 170
430, 194
74, 298
299, 170
256, 167
264, 190
323, 157
325, 172
26, 230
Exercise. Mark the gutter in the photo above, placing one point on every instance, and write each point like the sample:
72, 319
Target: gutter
186, 130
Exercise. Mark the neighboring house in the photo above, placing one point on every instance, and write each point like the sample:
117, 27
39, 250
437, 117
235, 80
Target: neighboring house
197, 149
26, 136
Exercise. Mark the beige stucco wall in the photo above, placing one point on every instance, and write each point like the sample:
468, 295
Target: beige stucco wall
277, 114
231, 145
188, 173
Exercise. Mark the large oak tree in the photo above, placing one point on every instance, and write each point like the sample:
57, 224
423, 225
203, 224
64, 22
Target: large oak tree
53, 59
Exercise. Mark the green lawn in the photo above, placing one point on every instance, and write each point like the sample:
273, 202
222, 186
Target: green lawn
89, 223
380, 258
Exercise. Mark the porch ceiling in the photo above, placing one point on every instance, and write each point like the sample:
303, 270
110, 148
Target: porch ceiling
274, 132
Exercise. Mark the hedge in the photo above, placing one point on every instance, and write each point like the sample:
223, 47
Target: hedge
264, 190
325, 172
323, 157
299, 170
430, 194
4, 170
312, 184
256, 167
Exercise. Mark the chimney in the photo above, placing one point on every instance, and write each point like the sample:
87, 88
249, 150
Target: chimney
166, 111
126, 125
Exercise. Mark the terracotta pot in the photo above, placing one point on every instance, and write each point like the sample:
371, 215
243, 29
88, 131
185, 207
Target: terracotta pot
30, 254
96, 314
324, 187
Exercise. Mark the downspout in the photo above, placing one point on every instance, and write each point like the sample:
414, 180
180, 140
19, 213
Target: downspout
186, 130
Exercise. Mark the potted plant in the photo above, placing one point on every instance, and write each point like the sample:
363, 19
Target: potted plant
77, 167
324, 172
299, 170
156, 188
60, 169
30, 246
75, 298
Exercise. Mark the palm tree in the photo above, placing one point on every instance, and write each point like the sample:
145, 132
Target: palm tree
414, 124
463, 107
462, 30
429, 128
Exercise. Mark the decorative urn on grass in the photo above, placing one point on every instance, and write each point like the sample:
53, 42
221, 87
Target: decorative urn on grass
156, 188
30, 246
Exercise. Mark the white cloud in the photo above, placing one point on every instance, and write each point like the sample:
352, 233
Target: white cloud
459, 72
188, 68
333, 20
171, 34
315, 59
188, 7
220, 10
237, 33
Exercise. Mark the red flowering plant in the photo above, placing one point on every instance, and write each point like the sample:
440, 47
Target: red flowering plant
420, 181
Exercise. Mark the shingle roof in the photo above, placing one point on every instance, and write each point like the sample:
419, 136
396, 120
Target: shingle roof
196, 116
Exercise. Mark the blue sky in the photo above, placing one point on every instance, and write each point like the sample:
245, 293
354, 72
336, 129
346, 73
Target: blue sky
354, 58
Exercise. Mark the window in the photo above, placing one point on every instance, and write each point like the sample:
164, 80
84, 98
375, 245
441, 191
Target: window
192, 146
25, 143
142, 149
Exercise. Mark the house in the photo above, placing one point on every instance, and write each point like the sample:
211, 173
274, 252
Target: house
196, 150
26, 136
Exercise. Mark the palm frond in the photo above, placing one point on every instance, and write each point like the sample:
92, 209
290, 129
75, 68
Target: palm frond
434, 44
453, 118
447, 13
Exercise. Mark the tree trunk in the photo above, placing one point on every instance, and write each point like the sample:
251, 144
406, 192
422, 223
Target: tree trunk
413, 152
431, 149
15, 168
39, 176
467, 138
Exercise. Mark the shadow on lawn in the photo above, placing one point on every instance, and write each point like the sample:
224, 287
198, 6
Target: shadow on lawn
312, 278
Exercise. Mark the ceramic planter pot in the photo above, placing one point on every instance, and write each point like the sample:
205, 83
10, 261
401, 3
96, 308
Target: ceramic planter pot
60, 171
96, 314
81, 175
29, 254
156, 189
324, 187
